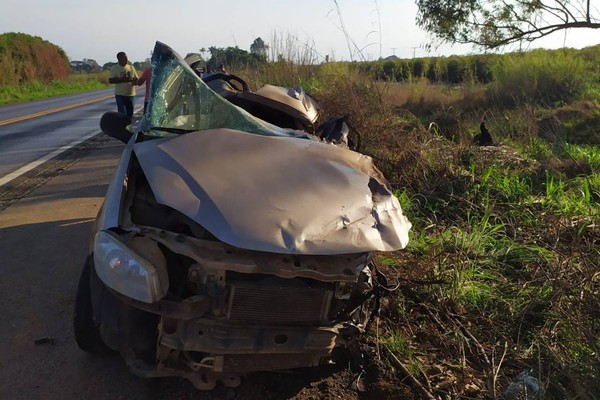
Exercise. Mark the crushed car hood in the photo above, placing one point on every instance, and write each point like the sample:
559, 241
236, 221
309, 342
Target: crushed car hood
275, 194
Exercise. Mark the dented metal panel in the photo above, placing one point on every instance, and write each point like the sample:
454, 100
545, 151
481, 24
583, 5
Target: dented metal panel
274, 194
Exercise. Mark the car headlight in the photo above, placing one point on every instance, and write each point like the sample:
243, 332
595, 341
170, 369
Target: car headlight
121, 268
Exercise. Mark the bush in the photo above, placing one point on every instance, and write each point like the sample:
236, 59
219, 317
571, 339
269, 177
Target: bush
539, 77
25, 58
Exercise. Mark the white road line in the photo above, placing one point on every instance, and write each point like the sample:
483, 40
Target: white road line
13, 175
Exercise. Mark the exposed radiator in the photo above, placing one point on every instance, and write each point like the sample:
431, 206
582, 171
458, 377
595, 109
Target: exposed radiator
278, 304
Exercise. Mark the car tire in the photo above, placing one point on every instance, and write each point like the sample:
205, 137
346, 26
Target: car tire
87, 332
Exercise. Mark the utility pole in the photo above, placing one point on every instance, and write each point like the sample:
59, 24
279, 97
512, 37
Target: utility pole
393, 50
414, 49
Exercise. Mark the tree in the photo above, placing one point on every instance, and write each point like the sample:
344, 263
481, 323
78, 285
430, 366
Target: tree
233, 57
92, 65
259, 49
497, 23
108, 65
202, 51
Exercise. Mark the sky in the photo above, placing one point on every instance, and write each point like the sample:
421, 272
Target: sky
99, 29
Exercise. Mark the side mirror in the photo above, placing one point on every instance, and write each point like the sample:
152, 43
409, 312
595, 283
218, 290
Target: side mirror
114, 124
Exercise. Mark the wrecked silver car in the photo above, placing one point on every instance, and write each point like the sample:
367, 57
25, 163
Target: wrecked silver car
236, 235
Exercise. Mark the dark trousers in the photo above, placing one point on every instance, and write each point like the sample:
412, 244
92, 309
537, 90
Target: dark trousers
125, 104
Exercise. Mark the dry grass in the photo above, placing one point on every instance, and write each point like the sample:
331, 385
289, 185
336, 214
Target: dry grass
502, 274
422, 97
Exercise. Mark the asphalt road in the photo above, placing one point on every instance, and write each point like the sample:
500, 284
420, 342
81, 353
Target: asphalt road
30, 131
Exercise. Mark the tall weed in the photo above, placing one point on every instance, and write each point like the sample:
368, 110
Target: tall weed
539, 77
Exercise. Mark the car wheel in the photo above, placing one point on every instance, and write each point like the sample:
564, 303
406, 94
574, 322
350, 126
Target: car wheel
87, 333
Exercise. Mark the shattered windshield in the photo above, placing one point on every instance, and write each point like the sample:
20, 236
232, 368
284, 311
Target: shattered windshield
181, 102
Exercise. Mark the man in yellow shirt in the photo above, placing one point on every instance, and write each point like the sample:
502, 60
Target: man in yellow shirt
125, 77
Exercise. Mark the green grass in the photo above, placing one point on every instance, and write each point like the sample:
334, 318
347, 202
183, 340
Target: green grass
397, 343
35, 90
511, 235
585, 154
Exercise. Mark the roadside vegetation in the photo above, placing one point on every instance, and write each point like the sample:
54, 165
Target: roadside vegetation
36, 90
32, 68
24, 58
499, 287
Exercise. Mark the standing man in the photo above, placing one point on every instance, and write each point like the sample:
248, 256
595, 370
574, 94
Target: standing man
124, 76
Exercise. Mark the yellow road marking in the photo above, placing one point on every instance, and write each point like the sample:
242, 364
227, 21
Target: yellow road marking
54, 110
